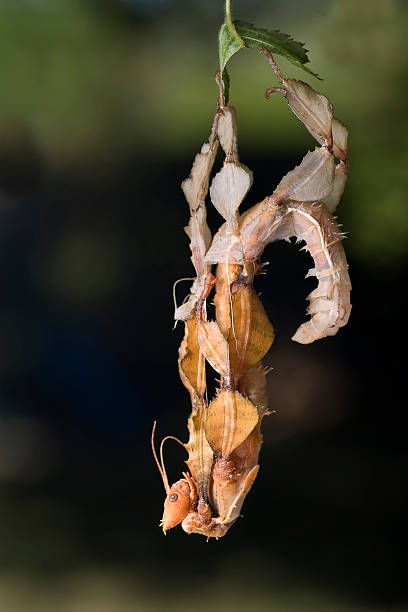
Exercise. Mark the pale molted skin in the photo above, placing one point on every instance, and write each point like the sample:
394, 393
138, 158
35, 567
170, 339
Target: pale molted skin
225, 434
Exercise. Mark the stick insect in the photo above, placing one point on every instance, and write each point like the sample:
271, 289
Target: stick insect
225, 434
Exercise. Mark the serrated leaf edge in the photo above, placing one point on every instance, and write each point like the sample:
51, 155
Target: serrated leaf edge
288, 39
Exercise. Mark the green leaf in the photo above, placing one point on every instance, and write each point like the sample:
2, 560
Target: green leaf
229, 43
305, 68
275, 41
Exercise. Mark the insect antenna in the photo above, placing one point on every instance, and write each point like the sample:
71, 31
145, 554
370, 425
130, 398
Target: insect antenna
179, 280
190, 278
161, 455
159, 465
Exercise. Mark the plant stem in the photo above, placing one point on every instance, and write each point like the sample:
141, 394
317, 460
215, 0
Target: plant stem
228, 17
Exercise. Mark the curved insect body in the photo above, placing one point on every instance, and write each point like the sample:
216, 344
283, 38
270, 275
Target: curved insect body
312, 223
225, 434
330, 302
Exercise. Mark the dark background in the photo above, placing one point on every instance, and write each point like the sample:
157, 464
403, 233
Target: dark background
103, 106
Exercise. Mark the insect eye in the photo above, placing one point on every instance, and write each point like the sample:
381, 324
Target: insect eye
173, 498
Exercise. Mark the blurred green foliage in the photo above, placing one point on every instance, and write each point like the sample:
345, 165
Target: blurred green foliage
93, 88
93, 84
89, 89
96, 90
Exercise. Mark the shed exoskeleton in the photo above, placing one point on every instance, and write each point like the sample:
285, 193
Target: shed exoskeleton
225, 434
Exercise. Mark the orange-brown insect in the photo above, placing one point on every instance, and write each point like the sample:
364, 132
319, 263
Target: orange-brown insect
225, 434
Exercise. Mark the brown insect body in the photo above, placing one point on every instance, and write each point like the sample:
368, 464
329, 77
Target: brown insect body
180, 499
225, 434
227, 275
232, 420
231, 480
